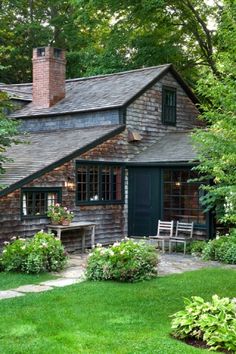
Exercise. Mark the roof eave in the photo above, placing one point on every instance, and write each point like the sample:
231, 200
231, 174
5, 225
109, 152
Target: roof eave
163, 163
61, 161
44, 115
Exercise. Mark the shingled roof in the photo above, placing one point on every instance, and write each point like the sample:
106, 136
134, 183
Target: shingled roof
174, 147
95, 93
44, 151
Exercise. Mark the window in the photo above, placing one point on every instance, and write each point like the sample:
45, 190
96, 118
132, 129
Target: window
36, 201
169, 106
99, 183
182, 198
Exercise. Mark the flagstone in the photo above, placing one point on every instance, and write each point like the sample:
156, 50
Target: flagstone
7, 294
33, 288
60, 282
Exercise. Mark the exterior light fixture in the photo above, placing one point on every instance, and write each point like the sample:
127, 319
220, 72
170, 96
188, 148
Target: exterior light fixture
70, 184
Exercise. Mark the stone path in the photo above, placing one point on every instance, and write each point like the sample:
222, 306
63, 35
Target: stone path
74, 273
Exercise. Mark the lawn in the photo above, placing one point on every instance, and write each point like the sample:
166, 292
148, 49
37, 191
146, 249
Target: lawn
107, 317
13, 280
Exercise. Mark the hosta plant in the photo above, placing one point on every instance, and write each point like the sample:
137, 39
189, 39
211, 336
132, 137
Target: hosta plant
212, 322
123, 261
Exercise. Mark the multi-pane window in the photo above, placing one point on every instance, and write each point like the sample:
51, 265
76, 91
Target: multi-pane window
169, 106
35, 202
99, 183
182, 197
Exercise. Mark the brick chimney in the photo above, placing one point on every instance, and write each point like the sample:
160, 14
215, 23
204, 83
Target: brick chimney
49, 66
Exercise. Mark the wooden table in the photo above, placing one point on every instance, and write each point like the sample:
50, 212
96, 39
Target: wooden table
75, 226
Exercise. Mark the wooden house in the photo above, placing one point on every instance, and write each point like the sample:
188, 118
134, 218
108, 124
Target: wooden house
115, 149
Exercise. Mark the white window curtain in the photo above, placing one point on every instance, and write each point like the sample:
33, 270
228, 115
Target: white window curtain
24, 205
51, 199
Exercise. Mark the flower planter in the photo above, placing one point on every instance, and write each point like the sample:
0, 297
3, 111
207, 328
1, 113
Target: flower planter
53, 222
65, 222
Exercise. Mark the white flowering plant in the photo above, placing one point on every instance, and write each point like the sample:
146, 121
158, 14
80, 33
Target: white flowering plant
123, 261
222, 249
42, 253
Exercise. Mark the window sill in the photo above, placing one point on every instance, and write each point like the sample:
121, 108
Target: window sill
99, 202
30, 217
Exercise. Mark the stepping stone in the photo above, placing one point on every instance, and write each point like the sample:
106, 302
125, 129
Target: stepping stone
7, 294
73, 272
33, 288
60, 283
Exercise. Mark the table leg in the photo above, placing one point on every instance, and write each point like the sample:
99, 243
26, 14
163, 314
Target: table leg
93, 236
83, 240
59, 234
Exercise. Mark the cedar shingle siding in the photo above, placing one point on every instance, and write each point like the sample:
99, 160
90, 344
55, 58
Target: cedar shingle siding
142, 114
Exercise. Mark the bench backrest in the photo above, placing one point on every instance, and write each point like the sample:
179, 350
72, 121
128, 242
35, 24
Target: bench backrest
184, 229
165, 228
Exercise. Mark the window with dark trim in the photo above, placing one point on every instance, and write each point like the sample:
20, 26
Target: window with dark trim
169, 105
36, 201
99, 183
182, 197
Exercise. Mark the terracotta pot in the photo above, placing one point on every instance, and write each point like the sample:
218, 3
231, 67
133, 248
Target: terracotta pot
53, 222
65, 222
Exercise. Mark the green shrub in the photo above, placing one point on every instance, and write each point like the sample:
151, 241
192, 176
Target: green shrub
221, 249
42, 253
212, 322
123, 261
197, 247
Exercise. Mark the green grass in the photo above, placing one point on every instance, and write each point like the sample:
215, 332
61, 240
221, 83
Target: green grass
107, 317
13, 280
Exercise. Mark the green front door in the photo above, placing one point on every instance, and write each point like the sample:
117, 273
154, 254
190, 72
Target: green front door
144, 200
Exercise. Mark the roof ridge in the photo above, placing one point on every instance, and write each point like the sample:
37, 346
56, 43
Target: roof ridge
119, 73
96, 76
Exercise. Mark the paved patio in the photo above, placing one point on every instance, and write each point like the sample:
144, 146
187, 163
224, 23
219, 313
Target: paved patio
74, 273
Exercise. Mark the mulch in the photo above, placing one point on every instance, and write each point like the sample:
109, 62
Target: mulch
201, 344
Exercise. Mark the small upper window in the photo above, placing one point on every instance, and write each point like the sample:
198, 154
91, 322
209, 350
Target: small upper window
36, 201
169, 106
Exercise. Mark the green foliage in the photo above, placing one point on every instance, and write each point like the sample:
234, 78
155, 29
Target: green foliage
213, 322
42, 253
123, 261
222, 249
8, 129
197, 247
217, 143
107, 36
27, 24
144, 33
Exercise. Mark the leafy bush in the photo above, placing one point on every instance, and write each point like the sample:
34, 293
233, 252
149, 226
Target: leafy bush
42, 253
123, 261
197, 247
221, 249
212, 322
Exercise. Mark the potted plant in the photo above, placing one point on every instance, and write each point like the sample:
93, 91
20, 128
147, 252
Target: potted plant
60, 215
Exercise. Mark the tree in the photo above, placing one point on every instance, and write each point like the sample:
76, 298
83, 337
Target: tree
25, 24
8, 129
217, 143
104, 36
151, 32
